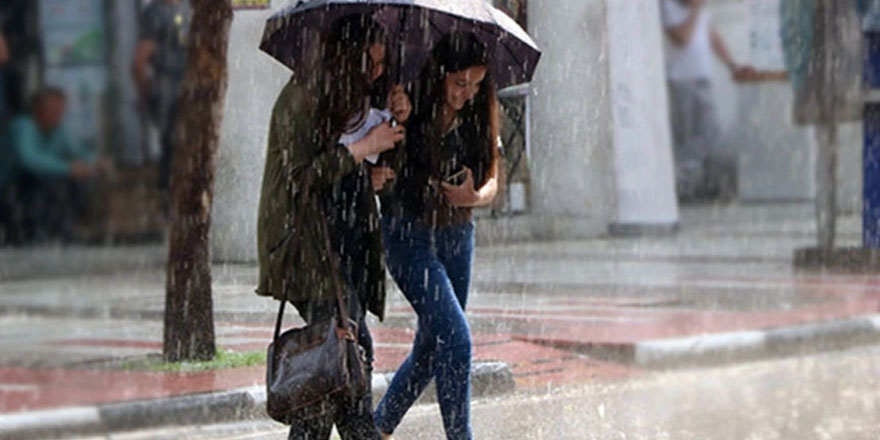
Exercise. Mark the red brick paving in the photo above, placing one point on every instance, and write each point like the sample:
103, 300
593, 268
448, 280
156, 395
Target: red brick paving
64, 387
571, 333
23, 389
566, 322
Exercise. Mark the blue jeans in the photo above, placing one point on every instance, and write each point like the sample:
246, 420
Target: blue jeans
433, 269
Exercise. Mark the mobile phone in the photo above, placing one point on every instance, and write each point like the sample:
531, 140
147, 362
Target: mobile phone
457, 179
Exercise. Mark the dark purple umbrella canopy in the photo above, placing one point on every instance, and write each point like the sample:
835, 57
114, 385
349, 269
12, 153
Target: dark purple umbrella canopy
414, 27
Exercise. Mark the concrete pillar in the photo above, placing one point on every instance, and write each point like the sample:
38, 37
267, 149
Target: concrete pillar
572, 159
644, 170
601, 152
255, 80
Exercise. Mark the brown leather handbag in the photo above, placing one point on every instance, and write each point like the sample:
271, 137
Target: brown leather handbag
309, 368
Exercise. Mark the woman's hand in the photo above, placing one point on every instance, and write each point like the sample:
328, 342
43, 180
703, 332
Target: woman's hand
464, 195
380, 139
399, 104
381, 175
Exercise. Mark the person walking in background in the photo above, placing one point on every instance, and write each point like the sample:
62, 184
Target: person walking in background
158, 68
448, 167
44, 172
691, 41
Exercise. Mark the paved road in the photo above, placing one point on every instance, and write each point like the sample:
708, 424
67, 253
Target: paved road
824, 396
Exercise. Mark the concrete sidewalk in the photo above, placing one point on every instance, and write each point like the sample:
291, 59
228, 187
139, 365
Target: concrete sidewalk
558, 313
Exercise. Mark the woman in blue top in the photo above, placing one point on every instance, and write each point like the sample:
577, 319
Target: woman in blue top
448, 167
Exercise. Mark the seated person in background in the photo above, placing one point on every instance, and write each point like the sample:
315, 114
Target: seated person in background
44, 175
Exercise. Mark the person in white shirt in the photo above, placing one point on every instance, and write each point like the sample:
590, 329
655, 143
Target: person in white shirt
691, 42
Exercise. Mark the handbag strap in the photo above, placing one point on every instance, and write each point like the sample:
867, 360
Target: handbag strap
341, 303
297, 224
279, 319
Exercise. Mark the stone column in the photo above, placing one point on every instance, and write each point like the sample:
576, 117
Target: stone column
601, 151
572, 157
644, 170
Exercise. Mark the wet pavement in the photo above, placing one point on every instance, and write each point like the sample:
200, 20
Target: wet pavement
824, 396
541, 307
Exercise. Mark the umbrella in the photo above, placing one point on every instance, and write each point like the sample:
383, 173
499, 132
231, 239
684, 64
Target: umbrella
414, 27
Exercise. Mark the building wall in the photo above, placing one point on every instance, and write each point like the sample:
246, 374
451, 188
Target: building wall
777, 158
255, 80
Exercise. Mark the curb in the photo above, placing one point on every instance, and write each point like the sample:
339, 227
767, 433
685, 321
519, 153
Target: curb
847, 259
721, 348
488, 379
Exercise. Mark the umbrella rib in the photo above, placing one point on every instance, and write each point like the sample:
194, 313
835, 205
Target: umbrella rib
512, 54
488, 27
436, 27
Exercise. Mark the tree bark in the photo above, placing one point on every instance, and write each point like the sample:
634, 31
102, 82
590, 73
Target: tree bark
189, 319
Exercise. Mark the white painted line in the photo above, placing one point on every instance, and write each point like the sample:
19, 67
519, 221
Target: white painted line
68, 419
257, 394
19, 387
650, 352
875, 321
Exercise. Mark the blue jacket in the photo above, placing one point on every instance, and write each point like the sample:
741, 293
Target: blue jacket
26, 150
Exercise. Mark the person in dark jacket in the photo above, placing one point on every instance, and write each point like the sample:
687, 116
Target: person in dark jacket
312, 176
158, 68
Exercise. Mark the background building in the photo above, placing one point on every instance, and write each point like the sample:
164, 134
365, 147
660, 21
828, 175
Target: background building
587, 145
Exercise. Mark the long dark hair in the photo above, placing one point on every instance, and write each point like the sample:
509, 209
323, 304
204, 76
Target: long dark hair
479, 119
344, 86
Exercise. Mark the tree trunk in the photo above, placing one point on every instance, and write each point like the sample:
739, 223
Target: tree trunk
189, 319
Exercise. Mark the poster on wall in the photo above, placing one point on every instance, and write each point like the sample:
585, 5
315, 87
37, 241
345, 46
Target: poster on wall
765, 44
251, 4
73, 32
75, 59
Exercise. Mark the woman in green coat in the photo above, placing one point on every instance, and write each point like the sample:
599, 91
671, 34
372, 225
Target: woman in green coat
311, 178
